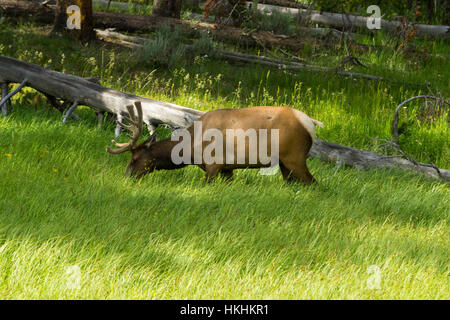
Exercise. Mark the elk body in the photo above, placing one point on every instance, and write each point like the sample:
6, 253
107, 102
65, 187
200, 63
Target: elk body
296, 132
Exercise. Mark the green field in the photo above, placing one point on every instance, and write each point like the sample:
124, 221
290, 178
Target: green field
72, 226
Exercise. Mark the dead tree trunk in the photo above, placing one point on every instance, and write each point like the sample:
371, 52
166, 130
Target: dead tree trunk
59, 26
349, 21
74, 18
83, 91
138, 42
76, 89
287, 4
44, 13
167, 8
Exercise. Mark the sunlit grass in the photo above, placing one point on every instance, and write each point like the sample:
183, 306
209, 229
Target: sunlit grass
64, 201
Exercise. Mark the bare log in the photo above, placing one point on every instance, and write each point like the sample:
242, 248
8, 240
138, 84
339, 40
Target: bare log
100, 118
118, 127
69, 111
5, 99
138, 42
134, 22
58, 105
361, 159
131, 22
287, 4
73, 88
347, 21
4, 106
325, 32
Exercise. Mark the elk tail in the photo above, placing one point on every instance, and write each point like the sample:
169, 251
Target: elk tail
317, 123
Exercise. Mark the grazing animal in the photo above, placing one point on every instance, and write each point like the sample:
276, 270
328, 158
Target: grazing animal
296, 133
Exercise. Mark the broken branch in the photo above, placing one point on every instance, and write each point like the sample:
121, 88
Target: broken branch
396, 118
8, 96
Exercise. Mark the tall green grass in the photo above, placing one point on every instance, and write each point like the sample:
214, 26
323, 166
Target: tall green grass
64, 201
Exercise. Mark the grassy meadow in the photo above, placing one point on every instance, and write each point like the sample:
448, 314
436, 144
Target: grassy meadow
72, 226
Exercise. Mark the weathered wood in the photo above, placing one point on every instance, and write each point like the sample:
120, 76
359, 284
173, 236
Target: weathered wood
138, 42
325, 32
100, 118
58, 105
69, 111
132, 22
287, 4
45, 13
4, 106
73, 88
8, 96
348, 21
396, 118
361, 159
118, 128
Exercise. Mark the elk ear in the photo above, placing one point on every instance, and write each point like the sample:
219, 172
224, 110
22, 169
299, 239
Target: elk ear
150, 140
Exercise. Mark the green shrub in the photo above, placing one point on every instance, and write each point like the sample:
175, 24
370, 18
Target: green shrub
205, 46
277, 22
166, 49
425, 12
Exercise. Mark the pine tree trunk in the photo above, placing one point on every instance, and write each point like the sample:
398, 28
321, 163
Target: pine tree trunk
74, 18
167, 8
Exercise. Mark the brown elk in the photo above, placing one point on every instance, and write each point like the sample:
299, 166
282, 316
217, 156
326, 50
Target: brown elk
296, 132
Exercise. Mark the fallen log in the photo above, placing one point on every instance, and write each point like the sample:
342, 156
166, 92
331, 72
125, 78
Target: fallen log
83, 91
347, 21
313, 32
138, 42
106, 4
360, 159
45, 13
287, 4
325, 32
396, 117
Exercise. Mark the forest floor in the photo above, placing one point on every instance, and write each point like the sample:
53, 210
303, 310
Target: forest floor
72, 226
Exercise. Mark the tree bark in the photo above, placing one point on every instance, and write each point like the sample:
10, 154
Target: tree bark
83, 91
287, 4
349, 21
77, 22
167, 8
132, 22
138, 42
59, 26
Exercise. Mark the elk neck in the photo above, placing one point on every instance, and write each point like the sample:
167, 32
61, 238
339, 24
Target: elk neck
161, 152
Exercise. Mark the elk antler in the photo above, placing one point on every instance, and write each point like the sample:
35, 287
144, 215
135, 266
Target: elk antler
135, 127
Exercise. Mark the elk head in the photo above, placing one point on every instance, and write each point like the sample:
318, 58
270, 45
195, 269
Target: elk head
141, 161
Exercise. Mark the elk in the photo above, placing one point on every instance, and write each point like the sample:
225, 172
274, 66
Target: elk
296, 133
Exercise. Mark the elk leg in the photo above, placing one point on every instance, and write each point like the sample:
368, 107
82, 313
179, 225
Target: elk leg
287, 175
299, 170
211, 172
227, 174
